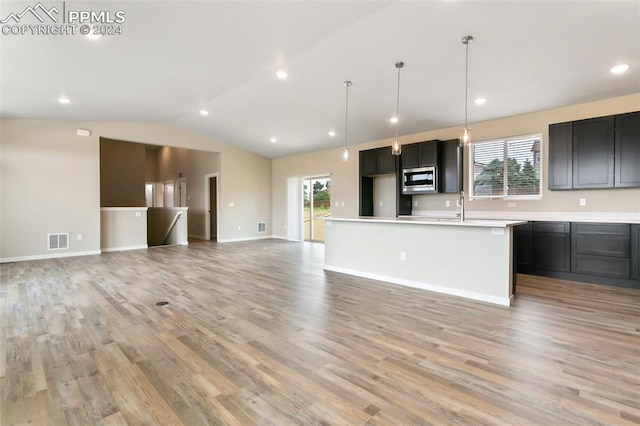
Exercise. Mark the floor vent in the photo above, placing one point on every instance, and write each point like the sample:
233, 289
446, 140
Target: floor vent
262, 227
58, 241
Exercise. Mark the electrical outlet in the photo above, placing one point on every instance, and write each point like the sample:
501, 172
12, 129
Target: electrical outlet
583, 202
79, 237
239, 228
341, 203
415, 203
232, 204
447, 203
511, 204
138, 214
380, 204
336, 204
403, 256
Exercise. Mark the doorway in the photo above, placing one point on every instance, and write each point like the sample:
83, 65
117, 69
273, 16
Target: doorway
316, 206
211, 204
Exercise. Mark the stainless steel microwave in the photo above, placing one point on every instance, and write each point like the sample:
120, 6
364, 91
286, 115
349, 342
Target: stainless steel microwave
421, 180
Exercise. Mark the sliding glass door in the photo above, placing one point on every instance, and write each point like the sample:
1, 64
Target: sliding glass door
316, 206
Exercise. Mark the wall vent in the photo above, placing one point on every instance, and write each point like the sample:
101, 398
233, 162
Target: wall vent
262, 227
58, 241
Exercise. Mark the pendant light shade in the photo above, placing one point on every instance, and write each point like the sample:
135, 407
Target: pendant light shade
345, 151
396, 149
465, 136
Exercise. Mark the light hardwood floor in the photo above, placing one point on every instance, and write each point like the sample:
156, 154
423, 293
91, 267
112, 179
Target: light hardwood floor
258, 333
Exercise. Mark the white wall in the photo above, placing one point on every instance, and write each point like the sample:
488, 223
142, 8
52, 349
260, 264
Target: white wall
49, 181
344, 181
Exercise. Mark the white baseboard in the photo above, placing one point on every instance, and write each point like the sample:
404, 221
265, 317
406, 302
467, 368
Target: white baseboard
48, 256
124, 248
198, 237
233, 240
425, 286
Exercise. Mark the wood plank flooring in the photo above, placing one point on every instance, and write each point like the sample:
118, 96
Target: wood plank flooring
257, 333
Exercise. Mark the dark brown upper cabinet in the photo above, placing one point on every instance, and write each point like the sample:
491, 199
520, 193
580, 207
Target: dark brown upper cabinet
627, 149
593, 153
420, 154
599, 152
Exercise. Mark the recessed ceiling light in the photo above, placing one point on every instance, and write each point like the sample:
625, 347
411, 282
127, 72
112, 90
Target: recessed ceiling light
273, 140
204, 112
332, 133
281, 74
480, 101
393, 120
64, 100
619, 69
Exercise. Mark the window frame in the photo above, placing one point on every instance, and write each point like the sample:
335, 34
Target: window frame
505, 145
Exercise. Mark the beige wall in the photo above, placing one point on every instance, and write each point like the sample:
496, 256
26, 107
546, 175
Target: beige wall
151, 165
122, 174
50, 181
344, 183
194, 165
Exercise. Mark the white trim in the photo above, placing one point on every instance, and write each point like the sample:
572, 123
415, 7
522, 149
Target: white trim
198, 237
48, 256
124, 248
280, 237
425, 286
123, 209
233, 240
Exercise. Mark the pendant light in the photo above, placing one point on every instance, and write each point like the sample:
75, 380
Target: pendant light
345, 151
396, 149
465, 137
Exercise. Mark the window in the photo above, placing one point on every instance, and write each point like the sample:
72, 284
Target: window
517, 177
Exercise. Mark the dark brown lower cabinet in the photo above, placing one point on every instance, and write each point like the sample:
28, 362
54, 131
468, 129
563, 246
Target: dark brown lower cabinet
635, 252
599, 253
600, 249
552, 251
523, 246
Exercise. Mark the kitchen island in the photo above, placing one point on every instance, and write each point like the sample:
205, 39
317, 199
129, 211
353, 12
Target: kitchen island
472, 259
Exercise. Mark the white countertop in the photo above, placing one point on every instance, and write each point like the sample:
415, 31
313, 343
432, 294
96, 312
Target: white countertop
540, 216
444, 221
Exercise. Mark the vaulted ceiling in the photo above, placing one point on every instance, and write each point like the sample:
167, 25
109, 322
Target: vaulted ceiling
175, 58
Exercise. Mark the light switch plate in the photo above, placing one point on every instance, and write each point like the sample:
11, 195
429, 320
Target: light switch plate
583, 202
447, 203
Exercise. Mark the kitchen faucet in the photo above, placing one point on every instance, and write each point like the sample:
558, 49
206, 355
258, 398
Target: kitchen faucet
461, 204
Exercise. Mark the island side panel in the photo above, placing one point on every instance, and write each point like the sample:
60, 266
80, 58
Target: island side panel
474, 262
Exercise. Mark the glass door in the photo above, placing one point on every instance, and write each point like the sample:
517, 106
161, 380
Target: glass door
316, 206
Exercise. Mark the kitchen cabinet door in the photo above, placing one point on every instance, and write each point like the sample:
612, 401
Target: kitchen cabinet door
593, 153
451, 167
561, 156
523, 247
627, 149
410, 157
429, 153
386, 161
366, 196
552, 251
369, 162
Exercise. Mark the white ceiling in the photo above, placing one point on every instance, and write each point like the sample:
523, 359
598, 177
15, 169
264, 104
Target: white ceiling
176, 57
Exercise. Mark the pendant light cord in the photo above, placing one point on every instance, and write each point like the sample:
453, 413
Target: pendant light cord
398, 65
346, 116
466, 84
